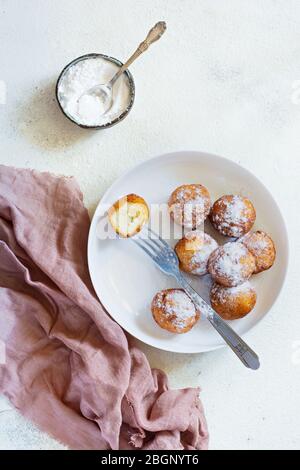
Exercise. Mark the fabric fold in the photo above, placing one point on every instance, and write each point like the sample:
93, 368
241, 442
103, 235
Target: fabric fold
69, 367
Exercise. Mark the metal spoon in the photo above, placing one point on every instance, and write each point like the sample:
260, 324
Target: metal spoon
105, 91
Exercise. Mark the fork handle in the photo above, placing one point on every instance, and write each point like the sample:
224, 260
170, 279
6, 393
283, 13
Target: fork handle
248, 357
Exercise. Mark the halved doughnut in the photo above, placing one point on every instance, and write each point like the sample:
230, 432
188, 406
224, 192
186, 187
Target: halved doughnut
128, 215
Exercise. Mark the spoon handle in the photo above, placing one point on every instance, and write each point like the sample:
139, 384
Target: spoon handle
154, 34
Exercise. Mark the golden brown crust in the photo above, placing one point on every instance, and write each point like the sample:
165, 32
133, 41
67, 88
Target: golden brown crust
128, 215
194, 250
232, 215
262, 248
173, 310
231, 264
232, 303
189, 205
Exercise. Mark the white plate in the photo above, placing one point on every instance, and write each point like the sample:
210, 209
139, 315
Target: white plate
125, 280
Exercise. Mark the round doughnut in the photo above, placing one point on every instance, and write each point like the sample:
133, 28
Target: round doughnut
262, 248
174, 311
194, 250
189, 205
232, 216
231, 264
232, 303
128, 215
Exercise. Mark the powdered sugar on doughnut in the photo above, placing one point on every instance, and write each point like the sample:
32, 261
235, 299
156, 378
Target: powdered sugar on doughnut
176, 306
229, 262
190, 205
225, 293
255, 242
234, 215
200, 258
262, 248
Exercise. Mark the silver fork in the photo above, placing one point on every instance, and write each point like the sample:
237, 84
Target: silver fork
166, 260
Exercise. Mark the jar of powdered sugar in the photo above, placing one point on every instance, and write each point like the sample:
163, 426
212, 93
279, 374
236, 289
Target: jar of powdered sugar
81, 75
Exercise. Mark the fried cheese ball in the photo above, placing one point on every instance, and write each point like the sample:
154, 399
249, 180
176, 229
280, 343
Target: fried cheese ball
128, 215
232, 215
189, 205
232, 303
262, 248
231, 264
174, 311
194, 250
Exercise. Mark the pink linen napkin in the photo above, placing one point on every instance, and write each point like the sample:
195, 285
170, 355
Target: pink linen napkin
69, 367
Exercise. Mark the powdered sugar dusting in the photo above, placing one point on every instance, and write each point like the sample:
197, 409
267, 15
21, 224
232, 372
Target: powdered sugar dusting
262, 248
235, 209
257, 241
200, 258
230, 262
87, 108
233, 215
176, 306
190, 205
225, 293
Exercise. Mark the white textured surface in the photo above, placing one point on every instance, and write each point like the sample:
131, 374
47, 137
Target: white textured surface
221, 80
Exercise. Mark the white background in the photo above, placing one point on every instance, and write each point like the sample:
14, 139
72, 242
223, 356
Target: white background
220, 80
